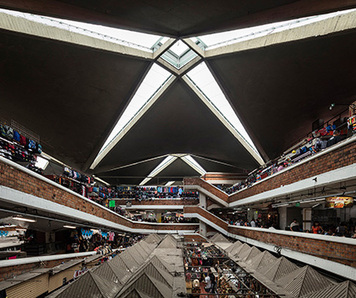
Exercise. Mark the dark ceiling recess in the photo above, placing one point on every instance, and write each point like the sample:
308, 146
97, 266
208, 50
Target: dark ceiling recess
279, 91
69, 95
179, 122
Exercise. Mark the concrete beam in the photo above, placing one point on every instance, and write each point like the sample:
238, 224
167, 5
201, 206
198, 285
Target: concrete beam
321, 28
25, 26
194, 47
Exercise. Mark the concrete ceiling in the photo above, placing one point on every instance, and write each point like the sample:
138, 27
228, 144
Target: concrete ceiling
179, 122
73, 95
278, 91
179, 18
69, 95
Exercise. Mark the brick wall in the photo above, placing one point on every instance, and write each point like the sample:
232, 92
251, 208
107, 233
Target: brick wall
333, 251
209, 216
19, 180
177, 202
338, 158
200, 182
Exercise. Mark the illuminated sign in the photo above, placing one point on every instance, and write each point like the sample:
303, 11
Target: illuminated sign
339, 202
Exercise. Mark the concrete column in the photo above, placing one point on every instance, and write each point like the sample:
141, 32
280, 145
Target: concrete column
202, 228
202, 200
307, 216
282, 217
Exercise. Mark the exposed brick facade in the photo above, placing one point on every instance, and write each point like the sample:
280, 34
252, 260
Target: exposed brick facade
333, 251
338, 158
209, 216
19, 180
200, 182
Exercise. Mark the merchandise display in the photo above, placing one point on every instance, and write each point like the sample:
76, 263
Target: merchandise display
210, 271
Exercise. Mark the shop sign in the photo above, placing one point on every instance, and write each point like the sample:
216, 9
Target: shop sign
339, 202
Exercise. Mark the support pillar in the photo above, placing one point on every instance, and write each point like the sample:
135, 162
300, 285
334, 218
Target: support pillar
202, 200
307, 216
202, 228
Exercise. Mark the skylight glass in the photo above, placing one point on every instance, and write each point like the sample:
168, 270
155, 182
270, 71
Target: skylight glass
169, 183
166, 162
154, 80
179, 48
142, 41
205, 81
230, 37
197, 166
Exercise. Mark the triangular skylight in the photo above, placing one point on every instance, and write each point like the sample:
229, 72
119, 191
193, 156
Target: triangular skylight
155, 79
230, 37
165, 163
205, 82
194, 164
142, 41
189, 160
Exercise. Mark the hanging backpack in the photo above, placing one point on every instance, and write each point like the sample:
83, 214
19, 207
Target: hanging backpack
9, 132
38, 148
16, 136
2, 131
31, 145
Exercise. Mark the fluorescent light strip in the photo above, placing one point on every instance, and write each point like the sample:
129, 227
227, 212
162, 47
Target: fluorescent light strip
69, 227
24, 219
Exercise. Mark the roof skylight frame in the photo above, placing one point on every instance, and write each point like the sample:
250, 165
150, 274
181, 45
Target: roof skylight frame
249, 146
164, 164
179, 61
265, 29
94, 30
119, 130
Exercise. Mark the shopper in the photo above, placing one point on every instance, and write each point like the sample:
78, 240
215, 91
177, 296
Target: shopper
294, 226
317, 229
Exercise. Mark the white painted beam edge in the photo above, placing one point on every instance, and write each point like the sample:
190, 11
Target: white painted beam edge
320, 237
20, 198
333, 267
29, 260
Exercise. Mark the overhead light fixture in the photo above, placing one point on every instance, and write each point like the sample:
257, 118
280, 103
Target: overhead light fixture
69, 227
280, 205
24, 219
342, 104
